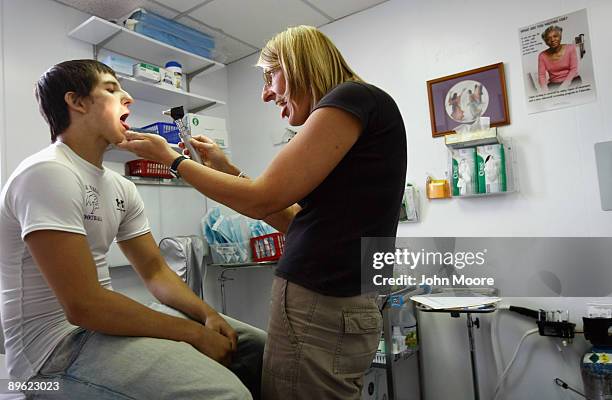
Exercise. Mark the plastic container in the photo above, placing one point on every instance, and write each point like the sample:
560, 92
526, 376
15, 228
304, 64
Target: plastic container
437, 188
268, 247
230, 253
596, 371
120, 64
169, 131
172, 27
172, 33
146, 168
175, 73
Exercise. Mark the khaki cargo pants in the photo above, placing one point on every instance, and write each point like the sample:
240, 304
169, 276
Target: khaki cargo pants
318, 346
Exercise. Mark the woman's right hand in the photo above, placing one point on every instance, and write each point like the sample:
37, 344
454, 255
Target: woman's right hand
211, 153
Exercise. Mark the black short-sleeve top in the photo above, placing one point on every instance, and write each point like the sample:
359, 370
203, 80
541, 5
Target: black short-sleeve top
361, 197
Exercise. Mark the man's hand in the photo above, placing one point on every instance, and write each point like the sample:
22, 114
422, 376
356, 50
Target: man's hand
216, 323
213, 345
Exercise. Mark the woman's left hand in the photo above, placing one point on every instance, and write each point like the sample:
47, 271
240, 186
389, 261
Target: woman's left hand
149, 146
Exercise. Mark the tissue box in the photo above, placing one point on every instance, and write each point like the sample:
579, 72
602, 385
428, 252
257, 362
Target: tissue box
212, 127
231, 253
464, 172
409, 207
491, 168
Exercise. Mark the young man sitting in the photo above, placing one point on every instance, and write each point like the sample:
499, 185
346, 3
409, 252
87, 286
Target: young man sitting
59, 213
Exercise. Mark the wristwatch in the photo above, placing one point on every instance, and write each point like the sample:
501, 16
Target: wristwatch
174, 167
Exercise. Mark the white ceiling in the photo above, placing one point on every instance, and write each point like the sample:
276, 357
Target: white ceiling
240, 27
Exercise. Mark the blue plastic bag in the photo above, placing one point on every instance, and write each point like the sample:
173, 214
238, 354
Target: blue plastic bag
173, 33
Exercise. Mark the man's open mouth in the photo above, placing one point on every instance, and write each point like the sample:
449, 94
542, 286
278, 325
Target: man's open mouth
123, 118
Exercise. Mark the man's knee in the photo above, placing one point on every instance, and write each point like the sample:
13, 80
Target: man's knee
256, 338
249, 335
219, 385
234, 390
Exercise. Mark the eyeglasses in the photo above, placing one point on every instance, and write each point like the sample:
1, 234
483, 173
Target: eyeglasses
267, 76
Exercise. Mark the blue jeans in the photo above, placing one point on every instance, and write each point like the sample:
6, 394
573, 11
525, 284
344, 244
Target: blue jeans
90, 365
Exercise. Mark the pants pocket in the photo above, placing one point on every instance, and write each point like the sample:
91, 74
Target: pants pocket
65, 352
358, 341
281, 349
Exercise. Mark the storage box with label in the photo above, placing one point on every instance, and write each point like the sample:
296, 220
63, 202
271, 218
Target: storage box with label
212, 127
491, 168
147, 72
465, 180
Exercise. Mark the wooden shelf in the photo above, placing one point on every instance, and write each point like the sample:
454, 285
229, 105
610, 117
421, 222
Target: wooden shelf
118, 39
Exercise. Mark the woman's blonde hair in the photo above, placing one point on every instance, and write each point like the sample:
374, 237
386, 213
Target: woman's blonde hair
310, 61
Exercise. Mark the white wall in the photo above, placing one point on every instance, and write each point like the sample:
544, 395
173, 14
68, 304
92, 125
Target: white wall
34, 39
398, 46
2, 96
253, 123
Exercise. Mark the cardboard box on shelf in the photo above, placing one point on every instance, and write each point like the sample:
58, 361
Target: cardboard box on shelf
147, 72
212, 127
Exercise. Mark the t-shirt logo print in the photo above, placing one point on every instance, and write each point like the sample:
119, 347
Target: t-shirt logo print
120, 204
92, 203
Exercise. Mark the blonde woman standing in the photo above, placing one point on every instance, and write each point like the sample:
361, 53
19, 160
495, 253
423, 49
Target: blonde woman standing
340, 179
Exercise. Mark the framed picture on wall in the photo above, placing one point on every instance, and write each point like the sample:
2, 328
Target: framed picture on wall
466, 97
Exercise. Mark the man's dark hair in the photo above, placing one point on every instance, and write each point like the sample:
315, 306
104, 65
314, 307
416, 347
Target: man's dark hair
79, 76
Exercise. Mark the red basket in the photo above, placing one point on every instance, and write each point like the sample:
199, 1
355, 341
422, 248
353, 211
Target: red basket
268, 247
147, 168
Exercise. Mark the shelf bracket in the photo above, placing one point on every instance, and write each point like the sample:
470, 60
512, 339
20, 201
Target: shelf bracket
202, 108
195, 73
103, 43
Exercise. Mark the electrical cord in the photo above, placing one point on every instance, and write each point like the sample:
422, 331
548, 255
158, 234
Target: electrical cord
561, 383
516, 351
497, 357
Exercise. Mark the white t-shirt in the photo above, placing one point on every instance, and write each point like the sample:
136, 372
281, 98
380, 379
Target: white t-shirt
55, 189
